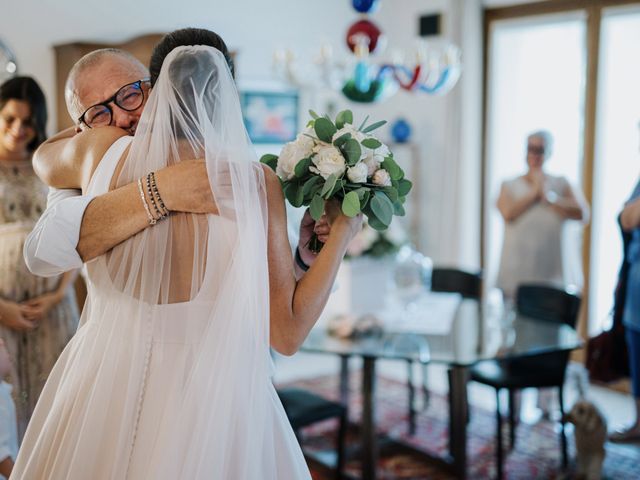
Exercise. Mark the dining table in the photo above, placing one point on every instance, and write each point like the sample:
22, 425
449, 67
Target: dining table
456, 337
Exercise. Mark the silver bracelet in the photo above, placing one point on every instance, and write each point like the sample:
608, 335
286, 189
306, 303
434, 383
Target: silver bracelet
152, 220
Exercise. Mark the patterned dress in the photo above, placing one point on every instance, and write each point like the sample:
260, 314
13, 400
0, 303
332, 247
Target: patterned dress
23, 198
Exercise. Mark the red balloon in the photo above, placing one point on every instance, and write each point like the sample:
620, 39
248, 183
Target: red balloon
366, 28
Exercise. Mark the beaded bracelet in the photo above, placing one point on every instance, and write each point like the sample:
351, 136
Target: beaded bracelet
152, 220
159, 215
156, 193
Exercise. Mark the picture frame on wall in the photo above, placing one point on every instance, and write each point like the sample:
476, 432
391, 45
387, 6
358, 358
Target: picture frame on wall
270, 116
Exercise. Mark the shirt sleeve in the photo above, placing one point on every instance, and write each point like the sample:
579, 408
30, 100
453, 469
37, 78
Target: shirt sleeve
50, 249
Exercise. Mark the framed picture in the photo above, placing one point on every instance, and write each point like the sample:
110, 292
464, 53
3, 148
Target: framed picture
270, 116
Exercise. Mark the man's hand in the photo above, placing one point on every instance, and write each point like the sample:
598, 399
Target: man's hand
308, 226
13, 316
37, 308
185, 187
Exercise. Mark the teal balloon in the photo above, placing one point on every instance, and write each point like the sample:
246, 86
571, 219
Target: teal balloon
401, 131
365, 6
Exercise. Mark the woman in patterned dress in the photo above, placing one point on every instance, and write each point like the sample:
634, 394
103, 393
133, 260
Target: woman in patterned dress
38, 315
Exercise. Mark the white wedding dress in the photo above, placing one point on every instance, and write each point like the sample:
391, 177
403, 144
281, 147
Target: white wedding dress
169, 374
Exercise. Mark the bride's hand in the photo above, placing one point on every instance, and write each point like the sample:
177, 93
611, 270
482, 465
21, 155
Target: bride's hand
340, 223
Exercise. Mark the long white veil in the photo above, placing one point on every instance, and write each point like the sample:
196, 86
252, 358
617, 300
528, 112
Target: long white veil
169, 374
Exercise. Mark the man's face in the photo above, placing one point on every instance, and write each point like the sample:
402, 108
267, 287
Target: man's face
100, 82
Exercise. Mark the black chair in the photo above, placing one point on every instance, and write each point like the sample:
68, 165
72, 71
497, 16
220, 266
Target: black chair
451, 280
545, 304
305, 408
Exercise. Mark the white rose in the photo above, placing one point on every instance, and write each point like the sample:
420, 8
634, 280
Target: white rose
348, 128
291, 154
328, 161
382, 178
358, 173
373, 158
307, 139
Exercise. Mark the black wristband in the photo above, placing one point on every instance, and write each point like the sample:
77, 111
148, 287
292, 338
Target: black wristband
300, 262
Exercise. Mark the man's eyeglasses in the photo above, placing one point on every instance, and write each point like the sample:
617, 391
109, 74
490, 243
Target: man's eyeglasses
535, 150
129, 97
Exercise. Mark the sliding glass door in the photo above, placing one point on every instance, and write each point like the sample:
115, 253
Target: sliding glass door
617, 160
535, 80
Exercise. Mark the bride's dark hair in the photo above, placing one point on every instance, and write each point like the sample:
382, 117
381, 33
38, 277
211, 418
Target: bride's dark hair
186, 37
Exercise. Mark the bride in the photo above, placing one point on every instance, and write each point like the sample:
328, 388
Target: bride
168, 376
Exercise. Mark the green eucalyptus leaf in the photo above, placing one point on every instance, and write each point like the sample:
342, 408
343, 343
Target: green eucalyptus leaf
363, 123
329, 183
404, 187
302, 167
316, 209
336, 188
271, 160
371, 143
390, 165
374, 126
338, 142
325, 129
391, 193
345, 116
398, 209
382, 207
351, 204
309, 184
314, 115
362, 191
375, 223
351, 151
293, 193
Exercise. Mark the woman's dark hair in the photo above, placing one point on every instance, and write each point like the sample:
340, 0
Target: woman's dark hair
25, 89
186, 37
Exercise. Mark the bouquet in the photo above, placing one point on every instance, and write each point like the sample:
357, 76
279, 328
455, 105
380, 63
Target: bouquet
336, 160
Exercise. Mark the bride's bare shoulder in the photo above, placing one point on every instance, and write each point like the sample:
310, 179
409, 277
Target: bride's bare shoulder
68, 159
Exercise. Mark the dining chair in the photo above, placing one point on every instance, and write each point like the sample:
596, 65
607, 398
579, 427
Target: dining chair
448, 280
542, 303
304, 408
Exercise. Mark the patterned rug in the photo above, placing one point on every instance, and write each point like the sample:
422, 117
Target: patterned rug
536, 454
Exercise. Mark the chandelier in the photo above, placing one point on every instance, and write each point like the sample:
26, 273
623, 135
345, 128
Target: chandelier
366, 75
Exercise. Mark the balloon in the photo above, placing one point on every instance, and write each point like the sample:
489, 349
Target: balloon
365, 6
367, 29
401, 130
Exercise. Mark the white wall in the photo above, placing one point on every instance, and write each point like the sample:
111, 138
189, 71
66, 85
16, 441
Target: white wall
446, 128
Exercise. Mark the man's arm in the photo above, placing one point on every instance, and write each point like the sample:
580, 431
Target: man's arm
75, 228
50, 248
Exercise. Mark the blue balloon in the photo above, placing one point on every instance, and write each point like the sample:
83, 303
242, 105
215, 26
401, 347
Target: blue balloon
401, 131
365, 6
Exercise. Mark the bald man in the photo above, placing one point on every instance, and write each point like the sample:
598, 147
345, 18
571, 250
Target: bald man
108, 88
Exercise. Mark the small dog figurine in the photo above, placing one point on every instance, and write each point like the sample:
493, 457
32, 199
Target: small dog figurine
590, 435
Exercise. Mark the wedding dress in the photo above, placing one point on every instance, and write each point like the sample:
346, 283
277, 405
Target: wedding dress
168, 376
